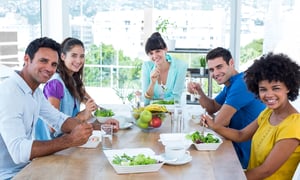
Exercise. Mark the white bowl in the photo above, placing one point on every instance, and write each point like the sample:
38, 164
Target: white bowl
209, 146
133, 169
174, 139
103, 119
136, 169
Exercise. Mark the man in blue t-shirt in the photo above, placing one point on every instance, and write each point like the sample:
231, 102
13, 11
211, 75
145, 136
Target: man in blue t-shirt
236, 106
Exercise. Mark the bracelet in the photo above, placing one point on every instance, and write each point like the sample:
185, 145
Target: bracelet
147, 95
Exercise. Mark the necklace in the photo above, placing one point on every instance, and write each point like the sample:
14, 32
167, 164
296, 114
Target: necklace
163, 86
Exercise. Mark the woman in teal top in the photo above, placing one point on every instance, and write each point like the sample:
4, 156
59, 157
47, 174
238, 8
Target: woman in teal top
163, 76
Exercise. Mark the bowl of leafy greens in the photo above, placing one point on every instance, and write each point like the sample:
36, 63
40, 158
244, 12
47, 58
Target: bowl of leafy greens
103, 114
135, 160
207, 141
163, 102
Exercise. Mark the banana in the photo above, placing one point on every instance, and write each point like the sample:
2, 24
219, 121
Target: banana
156, 108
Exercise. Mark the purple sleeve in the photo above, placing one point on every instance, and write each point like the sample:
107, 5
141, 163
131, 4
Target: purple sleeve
54, 88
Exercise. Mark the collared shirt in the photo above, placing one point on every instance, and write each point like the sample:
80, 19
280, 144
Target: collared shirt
20, 109
175, 81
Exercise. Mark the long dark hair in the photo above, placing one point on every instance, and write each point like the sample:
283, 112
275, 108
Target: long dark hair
73, 83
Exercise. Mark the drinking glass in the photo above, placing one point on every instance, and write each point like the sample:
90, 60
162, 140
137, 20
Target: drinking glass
177, 121
107, 132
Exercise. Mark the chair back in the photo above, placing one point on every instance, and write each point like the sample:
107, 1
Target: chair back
296, 175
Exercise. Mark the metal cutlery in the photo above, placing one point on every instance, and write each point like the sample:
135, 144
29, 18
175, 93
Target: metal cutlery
202, 124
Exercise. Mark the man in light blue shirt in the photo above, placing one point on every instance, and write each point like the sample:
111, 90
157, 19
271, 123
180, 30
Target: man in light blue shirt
22, 102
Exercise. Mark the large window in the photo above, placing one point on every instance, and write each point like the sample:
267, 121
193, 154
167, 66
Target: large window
269, 25
115, 31
20, 23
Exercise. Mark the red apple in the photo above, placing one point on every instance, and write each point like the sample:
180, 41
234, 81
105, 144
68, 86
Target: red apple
155, 122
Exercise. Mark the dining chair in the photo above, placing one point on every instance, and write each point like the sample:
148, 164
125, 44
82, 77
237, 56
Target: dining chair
296, 175
5, 72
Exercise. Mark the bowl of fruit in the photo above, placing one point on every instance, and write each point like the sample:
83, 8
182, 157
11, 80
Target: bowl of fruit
150, 117
103, 114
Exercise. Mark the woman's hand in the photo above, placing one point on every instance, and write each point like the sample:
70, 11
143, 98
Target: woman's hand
90, 105
154, 75
86, 114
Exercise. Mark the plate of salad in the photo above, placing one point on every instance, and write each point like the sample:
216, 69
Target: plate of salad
208, 141
133, 160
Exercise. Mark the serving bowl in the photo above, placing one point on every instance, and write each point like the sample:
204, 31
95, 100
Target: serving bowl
156, 121
102, 119
103, 114
175, 139
208, 146
124, 169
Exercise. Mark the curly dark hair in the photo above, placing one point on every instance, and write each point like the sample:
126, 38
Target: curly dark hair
274, 67
75, 83
155, 41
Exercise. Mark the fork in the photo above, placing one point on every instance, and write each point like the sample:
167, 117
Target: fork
99, 107
196, 94
202, 124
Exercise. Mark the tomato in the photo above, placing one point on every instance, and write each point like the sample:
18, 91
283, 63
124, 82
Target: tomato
155, 122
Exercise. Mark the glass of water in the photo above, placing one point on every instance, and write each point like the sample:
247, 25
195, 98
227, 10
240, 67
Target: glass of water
107, 132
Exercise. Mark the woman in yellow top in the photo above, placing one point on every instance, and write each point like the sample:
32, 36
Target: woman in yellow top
275, 150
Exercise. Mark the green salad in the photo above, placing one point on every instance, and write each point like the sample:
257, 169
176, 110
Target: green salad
140, 159
170, 102
104, 113
197, 138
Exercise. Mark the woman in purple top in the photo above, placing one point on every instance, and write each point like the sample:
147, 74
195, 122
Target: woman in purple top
65, 90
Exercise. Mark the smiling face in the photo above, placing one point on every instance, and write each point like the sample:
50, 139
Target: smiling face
158, 56
74, 59
220, 70
273, 94
40, 69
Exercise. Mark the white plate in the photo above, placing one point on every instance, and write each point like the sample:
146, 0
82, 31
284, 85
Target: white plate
126, 125
124, 122
131, 152
93, 141
186, 159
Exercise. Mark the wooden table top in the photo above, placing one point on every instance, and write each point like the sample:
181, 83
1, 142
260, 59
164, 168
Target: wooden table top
82, 163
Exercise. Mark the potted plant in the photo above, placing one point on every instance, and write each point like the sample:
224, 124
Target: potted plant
162, 26
202, 61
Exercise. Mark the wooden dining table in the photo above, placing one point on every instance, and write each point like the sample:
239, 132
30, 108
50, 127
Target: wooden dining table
91, 163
